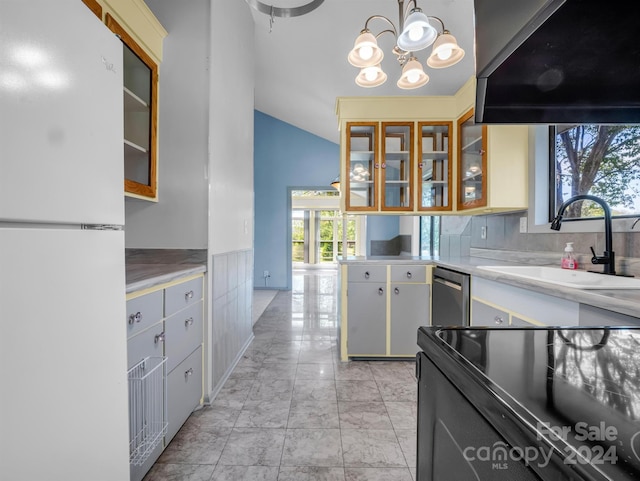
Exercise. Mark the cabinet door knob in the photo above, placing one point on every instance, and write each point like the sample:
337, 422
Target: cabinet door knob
366, 275
409, 275
498, 320
188, 295
188, 322
396, 291
137, 317
158, 338
188, 372
380, 291
384, 165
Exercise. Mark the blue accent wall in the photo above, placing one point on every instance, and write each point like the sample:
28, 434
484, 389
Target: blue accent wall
285, 158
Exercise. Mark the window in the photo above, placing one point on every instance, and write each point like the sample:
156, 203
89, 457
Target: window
601, 160
429, 235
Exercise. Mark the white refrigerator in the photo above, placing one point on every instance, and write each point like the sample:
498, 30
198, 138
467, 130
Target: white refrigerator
63, 371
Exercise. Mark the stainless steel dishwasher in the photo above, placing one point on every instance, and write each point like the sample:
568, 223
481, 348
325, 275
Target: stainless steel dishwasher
450, 304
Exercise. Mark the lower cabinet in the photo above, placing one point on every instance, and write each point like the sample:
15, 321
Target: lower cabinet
382, 307
497, 304
167, 322
409, 310
184, 390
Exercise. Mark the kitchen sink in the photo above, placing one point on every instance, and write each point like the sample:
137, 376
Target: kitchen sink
568, 278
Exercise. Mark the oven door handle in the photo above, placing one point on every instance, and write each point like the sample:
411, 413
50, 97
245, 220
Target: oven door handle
458, 287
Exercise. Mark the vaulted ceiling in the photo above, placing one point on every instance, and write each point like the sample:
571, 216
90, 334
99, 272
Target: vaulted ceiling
301, 62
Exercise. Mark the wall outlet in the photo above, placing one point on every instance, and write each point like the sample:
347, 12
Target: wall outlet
483, 232
266, 274
523, 225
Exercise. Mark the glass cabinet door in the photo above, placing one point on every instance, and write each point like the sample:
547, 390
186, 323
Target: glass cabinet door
434, 166
361, 166
140, 76
397, 166
472, 163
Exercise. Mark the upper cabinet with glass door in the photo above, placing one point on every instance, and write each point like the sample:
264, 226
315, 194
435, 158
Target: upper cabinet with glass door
396, 178
492, 167
434, 166
140, 116
361, 167
142, 37
472, 163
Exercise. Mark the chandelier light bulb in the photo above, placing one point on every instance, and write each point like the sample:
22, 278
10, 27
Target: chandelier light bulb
370, 74
413, 76
366, 52
444, 53
415, 32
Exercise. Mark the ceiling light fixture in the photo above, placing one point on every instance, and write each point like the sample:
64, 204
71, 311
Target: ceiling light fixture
416, 33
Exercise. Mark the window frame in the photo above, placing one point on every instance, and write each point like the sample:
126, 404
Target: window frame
539, 183
552, 180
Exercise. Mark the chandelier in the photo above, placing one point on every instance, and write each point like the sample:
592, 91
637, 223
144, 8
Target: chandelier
416, 33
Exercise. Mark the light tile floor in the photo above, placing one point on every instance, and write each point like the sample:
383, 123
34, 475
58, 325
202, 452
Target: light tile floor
291, 411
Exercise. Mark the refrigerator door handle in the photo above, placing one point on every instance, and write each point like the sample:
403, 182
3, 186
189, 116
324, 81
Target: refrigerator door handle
101, 227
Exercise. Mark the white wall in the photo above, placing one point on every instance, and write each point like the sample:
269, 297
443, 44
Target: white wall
231, 212
179, 219
231, 127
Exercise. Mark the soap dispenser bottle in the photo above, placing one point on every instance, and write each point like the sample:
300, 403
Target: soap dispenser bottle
568, 260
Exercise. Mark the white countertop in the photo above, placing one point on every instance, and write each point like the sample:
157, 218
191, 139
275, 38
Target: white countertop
144, 276
624, 301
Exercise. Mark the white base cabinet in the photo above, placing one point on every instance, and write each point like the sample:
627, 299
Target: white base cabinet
167, 321
382, 307
496, 304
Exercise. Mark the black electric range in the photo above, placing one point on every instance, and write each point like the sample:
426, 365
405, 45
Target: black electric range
528, 403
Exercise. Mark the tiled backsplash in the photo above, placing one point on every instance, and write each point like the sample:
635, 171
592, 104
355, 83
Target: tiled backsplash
462, 236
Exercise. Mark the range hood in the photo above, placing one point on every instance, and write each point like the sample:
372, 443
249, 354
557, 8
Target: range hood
557, 61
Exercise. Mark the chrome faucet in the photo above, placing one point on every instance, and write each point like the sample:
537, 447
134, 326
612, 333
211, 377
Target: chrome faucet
608, 259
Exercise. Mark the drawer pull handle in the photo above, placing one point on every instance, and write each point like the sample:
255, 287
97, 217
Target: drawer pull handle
188, 372
380, 291
188, 295
396, 291
188, 322
158, 338
366, 275
498, 320
409, 275
137, 317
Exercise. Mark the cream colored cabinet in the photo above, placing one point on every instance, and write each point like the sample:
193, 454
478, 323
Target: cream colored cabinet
142, 37
381, 309
397, 167
413, 155
492, 166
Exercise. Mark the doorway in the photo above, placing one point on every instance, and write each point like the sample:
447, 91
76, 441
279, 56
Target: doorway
319, 231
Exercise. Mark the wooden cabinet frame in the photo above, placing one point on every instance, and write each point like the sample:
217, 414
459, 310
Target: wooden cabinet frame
130, 186
461, 204
449, 175
373, 191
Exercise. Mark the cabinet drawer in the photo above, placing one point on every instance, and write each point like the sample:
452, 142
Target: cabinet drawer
484, 315
184, 390
416, 274
182, 295
143, 311
183, 334
147, 343
367, 274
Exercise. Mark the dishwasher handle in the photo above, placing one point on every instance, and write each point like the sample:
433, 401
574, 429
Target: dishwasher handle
447, 283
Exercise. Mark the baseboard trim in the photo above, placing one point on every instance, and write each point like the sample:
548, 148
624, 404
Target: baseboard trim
212, 395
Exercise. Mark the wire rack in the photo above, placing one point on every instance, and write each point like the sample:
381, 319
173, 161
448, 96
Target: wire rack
147, 404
